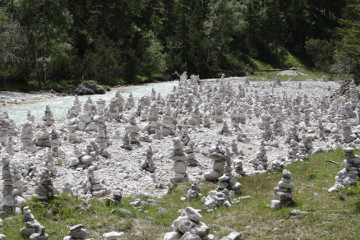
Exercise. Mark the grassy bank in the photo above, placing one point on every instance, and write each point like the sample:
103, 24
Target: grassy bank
330, 216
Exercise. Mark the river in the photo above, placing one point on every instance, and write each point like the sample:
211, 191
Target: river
60, 105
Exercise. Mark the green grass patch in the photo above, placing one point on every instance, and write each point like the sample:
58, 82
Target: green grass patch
330, 215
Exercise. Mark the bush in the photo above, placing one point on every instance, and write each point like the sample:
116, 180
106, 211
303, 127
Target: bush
321, 53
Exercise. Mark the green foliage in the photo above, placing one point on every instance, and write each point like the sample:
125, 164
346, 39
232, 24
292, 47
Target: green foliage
321, 52
51, 41
347, 55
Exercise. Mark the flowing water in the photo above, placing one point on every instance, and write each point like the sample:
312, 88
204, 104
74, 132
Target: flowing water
60, 105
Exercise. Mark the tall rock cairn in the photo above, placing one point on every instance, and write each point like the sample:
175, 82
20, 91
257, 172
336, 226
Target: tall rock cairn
180, 162
350, 174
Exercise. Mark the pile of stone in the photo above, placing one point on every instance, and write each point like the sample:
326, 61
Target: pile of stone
167, 126
191, 161
195, 118
350, 174
215, 199
102, 140
33, 229
77, 232
276, 166
348, 136
133, 130
115, 200
180, 162
82, 158
48, 118
4, 130
149, 165
126, 142
193, 192
238, 166
45, 189
225, 129
92, 186
12, 188
153, 119
55, 141
189, 226
75, 109
217, 154
283, 192
227, 181
293, 151
27, 136
260, 160
42, 138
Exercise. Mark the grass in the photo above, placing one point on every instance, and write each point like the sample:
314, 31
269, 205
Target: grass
330, 215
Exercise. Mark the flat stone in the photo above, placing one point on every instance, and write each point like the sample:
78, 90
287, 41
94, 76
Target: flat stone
193, 214
112, 235
172, 236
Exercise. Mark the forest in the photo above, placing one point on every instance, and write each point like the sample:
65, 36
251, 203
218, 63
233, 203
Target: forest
47, 42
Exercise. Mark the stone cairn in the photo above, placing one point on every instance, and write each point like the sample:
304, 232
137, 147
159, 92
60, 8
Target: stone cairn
43, 138
133, 130
4, 130
217, 154
193, 192
149, 165
191, 161
260, 160
8, 200
27, 136
77, 232
283, 192
180, 162
350, 174
293, 151
225, 129
227, 181
348, 136
167, 126
115, 200
82, 158
189, 226
126, 142
75, 109
238, 166
48, 118
45, 188
33, 229
55, 141
92, 186
102, 140
215, 199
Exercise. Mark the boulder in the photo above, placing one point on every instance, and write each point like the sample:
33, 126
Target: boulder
89, 88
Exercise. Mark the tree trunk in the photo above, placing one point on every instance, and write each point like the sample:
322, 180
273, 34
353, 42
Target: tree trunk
36, 62
44, 62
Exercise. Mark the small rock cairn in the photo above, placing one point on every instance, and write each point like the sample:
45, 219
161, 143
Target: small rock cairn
45, 188
350, 174
149, 165
189, 226
33, 229
115, 200
27, 135
218, 155
77, 232
193, 192
180, 162
283, 192
48, 119
260, 159
227, 181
